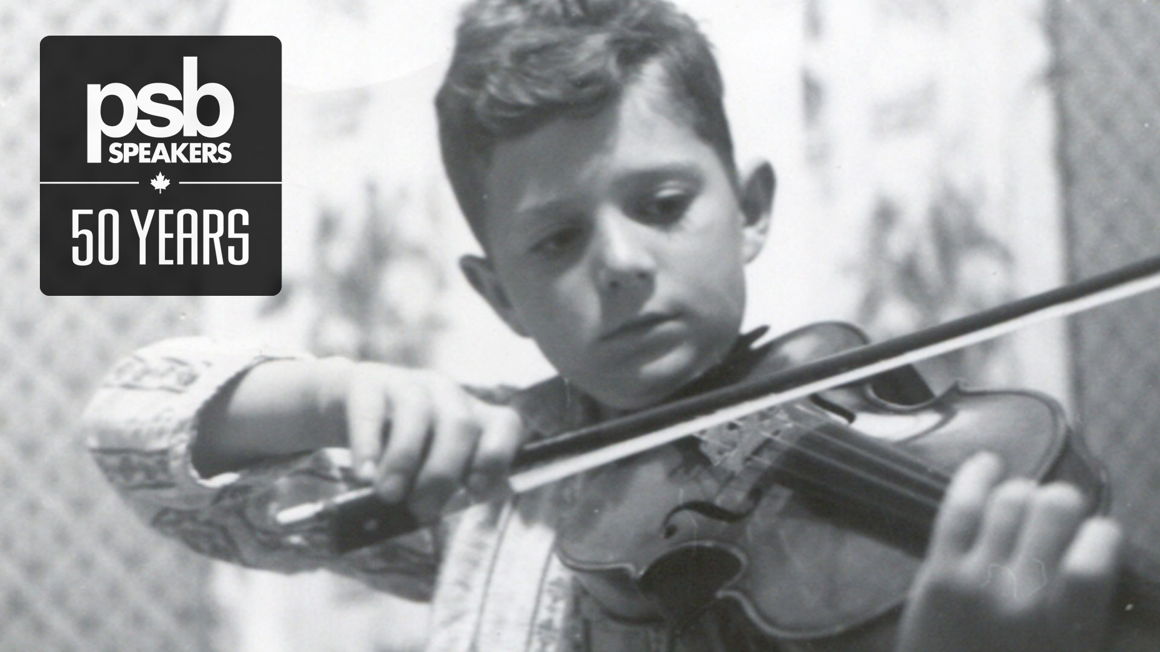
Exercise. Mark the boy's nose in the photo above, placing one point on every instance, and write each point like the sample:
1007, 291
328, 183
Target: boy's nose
624, 257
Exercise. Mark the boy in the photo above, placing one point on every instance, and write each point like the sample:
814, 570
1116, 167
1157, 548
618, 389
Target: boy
588, 148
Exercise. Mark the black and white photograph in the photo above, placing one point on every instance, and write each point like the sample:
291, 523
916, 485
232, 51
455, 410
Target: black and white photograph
580, 325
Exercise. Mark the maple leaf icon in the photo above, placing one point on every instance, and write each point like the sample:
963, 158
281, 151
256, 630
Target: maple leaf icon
159, 182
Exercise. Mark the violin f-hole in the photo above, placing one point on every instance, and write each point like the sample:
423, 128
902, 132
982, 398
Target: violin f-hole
670, 529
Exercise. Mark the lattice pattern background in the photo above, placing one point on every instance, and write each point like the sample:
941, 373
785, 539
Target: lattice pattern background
1109, 98
77, 572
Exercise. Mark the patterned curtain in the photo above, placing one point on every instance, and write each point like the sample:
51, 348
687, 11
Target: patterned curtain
77, 570
930, 137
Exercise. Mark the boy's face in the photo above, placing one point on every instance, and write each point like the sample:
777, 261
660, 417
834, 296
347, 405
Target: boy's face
617, 243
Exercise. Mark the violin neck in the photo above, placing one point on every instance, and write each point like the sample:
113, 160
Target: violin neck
867, 483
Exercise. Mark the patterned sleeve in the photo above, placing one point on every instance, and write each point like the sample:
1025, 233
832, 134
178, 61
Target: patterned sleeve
140, 426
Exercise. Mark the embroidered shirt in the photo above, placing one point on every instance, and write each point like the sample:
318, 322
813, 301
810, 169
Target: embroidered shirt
489, 572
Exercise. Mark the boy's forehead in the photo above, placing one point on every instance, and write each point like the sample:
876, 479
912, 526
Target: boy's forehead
637, 135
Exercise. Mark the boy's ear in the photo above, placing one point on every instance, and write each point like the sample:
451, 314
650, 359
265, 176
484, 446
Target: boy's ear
482, 277
758, 186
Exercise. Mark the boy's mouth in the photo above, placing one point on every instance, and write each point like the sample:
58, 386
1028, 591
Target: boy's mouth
636, 326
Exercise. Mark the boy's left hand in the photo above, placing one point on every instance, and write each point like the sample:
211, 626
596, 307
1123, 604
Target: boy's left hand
1012, 567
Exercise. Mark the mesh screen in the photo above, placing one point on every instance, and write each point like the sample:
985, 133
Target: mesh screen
77, 570
1109, 94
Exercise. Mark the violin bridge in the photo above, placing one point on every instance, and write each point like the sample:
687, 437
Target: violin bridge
757, 438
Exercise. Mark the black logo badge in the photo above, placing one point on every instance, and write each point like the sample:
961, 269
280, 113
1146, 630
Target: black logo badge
160, 165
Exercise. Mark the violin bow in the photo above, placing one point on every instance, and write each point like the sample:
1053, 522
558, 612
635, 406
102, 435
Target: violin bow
359, 518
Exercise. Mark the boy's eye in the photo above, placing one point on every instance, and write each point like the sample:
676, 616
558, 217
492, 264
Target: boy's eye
557, 241
666, 205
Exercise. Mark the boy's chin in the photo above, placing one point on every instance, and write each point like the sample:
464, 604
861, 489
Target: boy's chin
648, 384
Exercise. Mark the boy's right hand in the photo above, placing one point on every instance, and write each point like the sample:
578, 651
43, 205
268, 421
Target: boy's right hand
417, 435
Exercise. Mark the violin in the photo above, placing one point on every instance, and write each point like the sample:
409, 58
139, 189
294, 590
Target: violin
810, 525
802, 489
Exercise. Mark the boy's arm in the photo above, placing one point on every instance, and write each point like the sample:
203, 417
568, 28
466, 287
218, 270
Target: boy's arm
207, 441
417, 435
275, 408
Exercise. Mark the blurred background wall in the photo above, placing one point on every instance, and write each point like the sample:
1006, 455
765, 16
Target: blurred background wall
935, 157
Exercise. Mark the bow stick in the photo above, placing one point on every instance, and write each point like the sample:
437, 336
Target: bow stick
359, 518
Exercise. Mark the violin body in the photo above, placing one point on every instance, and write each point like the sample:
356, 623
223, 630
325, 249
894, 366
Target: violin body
811, 518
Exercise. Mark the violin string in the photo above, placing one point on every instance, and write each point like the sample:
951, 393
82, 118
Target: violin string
843, 491
927, 490
893, 458
902, 511
924, 481
855, 472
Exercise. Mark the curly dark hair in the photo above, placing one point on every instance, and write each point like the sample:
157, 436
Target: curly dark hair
519, 64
